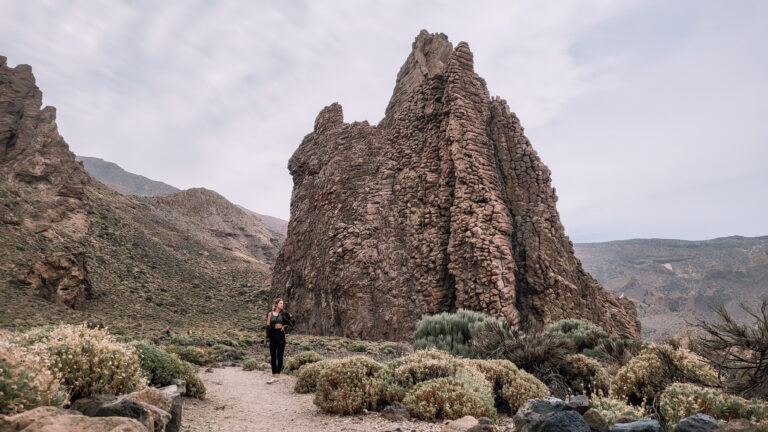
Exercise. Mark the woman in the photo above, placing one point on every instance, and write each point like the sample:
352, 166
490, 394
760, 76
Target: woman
276, 323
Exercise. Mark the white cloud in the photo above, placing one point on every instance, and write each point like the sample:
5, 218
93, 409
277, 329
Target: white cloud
220, 94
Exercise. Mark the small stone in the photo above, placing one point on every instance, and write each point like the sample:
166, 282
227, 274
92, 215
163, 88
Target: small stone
697, 423
484, 420
596, 421
637, 426
579, 404
395, 412
460, 425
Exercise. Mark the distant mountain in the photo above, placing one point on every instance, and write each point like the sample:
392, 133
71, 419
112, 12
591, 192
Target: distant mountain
123, 181
128, 183
672, 281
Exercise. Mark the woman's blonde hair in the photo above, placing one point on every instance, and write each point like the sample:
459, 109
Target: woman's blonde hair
274, 305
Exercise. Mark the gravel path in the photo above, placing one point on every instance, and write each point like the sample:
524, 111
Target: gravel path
242, 401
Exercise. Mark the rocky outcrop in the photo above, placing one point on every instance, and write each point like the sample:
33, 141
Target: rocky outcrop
35, 159
61, 278
443, 205
52, 419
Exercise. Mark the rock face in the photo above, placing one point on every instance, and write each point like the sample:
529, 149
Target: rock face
34, 157
443, 205
62, 278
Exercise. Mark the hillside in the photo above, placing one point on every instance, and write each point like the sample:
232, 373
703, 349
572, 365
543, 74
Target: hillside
123, 181
74, 250
674, 280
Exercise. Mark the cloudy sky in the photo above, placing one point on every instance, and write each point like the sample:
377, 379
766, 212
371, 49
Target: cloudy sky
650, 114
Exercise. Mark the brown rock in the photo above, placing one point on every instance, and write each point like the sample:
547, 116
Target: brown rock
62, 278
52, 419
595, 421
737, 425
443, 205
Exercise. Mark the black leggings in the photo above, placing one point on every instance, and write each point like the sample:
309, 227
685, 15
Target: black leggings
276, 349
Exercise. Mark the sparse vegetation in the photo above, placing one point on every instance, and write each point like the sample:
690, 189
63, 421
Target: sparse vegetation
161, 367
357, 347
191, 354
26, 378
294, 364
682, 400
511, 386
450, 332
350, 385
581, 333
612, 409
251, 364
450, 398
224, 353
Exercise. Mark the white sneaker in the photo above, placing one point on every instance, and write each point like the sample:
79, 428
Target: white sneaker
272, 380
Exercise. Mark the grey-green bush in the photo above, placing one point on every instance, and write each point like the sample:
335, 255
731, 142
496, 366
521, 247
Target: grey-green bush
293, 364
581, 333
450, 332
350, 385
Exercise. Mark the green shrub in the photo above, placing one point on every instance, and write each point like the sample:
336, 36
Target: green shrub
450, 332
91, 362
350, 385
293, 364
306, 347
423, 366
389, 350
511, 386
26, 378
250, 364
306, 378
245, 341
357, 347
612, 409
647, 374
450, 398
615, 350
191, 354
182, 340
581, 333
587, 376
682, 400
223, 353
161, 367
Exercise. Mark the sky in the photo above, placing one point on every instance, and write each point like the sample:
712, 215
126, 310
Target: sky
650, 114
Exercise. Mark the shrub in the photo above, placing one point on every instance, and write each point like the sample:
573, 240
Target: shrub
182, 340
450, 398
582, 334
682, 400
295, 363
423, 366
612, 409
389, 350
737, 350
91, 362
350, 385
250, 364
357, 347
222, 353
191, 354
616, 350
306, 379
646, 375
161, 367
511, 386
587, 376
306, 347
538, 352
26, 379
451, 332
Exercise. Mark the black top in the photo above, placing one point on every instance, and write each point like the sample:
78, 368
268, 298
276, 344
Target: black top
275, 319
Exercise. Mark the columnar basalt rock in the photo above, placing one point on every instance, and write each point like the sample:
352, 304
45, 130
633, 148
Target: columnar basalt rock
443, 205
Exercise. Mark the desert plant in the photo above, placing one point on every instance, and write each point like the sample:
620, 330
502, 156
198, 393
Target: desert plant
26, 378
195, 386
581, 333
161, 367
646, 375
511, 386
424, 365
91, 362
357, 347
250, 364
222, 353
738, 351
612, 409
682, 400
348, 386
450, 332
294, 363
587, 376
536, 351
615, 351
450, 398
183, 340
306, 378
191, 354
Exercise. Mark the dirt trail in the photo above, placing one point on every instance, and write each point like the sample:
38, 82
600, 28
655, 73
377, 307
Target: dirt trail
242, 401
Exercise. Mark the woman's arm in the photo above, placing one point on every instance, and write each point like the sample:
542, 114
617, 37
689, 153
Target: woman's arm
268, 322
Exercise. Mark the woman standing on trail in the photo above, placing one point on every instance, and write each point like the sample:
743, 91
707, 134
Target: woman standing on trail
276, 323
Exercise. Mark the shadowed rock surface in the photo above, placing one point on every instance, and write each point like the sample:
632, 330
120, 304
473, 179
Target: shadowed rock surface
443, 205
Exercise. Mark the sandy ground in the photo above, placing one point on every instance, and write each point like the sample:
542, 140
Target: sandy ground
237, 400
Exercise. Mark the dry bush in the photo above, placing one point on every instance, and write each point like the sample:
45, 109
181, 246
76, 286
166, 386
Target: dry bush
511, 386
615, 351
27, 379
650, 372
738, 351
450, 398
191, 354
587, 376
306, 378
296, 362
348, 386
424, 365
581, 333
682, 400
612, 409
251, 364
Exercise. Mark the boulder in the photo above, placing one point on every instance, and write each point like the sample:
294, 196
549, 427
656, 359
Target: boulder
52, 419
596, 421
737, 425
460, 425
177, 406
149, 406
565, 421
395, 412
637, 426
531, 416
697, 423
579, 403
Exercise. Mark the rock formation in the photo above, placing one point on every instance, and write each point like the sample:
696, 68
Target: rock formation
34, 157
62, 278
443, 205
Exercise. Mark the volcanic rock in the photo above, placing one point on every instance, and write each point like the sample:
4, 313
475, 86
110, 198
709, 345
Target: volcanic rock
62, 278
443, 205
